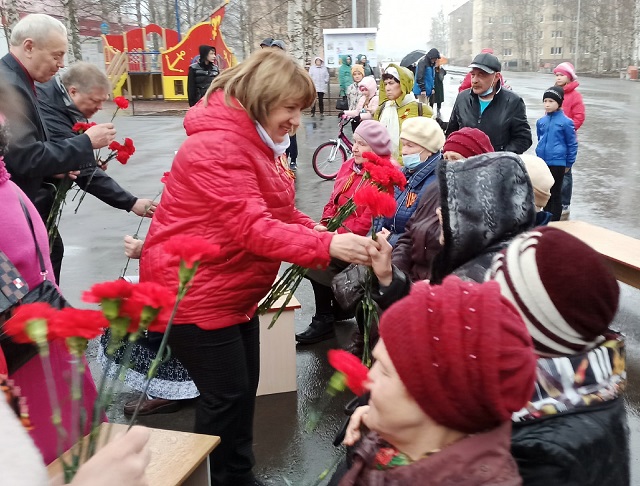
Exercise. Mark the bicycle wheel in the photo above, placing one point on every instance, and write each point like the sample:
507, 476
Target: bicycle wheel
327, 160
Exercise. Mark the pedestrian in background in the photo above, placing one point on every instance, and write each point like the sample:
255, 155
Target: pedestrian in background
320, 76
364, 62
437, 98
573, 107
344, 74
201, 74
557, 145
425, 75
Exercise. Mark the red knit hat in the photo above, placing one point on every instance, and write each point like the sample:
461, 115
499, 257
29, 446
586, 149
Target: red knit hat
462, 351
562, 288
468, 142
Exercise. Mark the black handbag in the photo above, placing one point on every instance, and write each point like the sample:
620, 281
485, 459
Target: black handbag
348, 286
17, 354
342, 104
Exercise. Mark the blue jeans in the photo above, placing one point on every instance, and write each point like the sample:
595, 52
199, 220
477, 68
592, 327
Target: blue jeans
567, 188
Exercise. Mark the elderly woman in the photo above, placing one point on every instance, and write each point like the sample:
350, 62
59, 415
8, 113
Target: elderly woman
443, 388
370, 136
230, 184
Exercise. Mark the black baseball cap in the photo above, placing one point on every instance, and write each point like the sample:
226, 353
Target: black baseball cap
487, 62
267, 42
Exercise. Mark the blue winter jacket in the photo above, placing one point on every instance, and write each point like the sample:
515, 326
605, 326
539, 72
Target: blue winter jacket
557, 141
407, 200
425, 77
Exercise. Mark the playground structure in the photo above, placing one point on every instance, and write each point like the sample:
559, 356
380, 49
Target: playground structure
152, 62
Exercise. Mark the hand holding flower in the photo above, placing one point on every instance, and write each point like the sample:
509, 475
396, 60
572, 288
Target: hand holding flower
352, 248
381, 260
101, 135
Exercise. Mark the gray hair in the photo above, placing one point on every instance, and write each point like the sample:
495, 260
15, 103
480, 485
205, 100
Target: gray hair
37, 27
85, 77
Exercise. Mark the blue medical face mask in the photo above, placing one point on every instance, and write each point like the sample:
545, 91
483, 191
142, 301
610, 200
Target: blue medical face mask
490, 90
411, 161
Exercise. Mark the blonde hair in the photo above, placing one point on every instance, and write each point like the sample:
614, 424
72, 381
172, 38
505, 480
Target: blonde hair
267, 79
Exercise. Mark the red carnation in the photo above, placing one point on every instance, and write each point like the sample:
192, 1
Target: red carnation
121, 102
128, 146
351, 367
150, 304
18, 327
165, 177
81, 323
117, 289
115, 146
123, 156
82, 127
191, 249
379, 203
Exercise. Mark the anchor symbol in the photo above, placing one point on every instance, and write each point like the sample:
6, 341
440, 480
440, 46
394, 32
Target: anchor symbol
171, 65
215, 25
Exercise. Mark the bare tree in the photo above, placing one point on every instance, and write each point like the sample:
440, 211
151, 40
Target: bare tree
439, 32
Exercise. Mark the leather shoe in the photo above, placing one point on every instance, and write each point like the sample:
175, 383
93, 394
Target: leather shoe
320, 329
150, 406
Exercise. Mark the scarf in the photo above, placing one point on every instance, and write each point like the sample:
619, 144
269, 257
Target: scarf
277, 148
389, 118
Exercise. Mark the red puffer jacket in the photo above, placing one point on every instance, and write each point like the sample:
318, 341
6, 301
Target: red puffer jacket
226, 186
573, 106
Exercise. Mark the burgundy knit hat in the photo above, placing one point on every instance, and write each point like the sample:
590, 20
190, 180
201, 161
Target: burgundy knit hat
376, 135
562, 288
462, 351
468, 142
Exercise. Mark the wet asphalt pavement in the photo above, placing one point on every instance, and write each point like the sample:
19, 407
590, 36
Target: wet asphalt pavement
606, 192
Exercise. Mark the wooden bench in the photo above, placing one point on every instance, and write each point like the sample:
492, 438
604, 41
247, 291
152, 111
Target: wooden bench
621, 252
278, 350
177, 458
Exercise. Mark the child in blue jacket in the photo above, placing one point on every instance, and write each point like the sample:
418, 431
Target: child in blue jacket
557, 145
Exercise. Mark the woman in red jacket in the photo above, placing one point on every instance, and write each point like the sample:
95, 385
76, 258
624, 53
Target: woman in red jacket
230, 184
370, 136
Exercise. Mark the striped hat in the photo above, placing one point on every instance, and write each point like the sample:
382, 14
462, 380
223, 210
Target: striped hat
563, 289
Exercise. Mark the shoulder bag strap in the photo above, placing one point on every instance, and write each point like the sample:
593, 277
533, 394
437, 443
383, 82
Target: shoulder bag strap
43, 268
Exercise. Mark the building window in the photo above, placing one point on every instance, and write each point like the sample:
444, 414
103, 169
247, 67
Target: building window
491, 20
507, 36
542, 51
507, 19
540, 34
178, 86
507, 52
556, 51
557, 18
541, 18
556, 33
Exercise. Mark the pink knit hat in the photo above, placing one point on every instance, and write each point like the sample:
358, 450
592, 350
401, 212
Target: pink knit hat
376, 135
567, 69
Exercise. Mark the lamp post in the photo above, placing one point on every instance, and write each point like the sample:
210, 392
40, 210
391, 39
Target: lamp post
354, 14
575, 61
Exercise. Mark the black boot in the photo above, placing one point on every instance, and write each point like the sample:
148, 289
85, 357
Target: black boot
320, 329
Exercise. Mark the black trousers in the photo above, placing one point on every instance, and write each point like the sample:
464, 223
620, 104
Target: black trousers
320, 104
225, 366
292, 151
57, 253
554, 206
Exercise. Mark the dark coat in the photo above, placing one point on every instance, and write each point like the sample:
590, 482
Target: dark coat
478, 460
438, 86
200, 77
504, 120
32, 155
59, 115
420, 243
485, 201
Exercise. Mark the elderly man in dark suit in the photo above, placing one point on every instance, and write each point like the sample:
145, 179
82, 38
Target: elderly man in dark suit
37, 50
76, 96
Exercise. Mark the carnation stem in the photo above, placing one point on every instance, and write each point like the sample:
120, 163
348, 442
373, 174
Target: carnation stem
136, 234
78, 417
56, 416
84, 191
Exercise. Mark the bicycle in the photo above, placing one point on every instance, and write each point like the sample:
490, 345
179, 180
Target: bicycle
329, 156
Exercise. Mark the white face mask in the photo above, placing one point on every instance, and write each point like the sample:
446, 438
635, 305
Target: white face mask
411, 161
